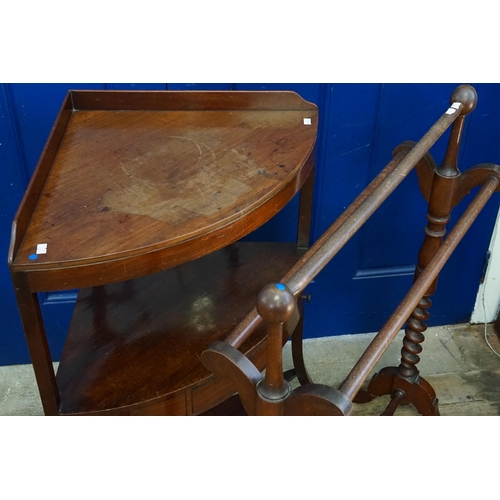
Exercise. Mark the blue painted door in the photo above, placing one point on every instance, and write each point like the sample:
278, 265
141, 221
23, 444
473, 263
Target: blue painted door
358, 291
359, 127
27, 113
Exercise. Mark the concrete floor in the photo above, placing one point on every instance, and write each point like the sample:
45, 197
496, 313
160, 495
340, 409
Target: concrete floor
456, 360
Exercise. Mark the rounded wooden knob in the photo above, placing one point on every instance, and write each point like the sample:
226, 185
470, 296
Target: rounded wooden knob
467, 95
275, 303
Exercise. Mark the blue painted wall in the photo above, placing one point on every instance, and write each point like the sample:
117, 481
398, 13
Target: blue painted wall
360, 124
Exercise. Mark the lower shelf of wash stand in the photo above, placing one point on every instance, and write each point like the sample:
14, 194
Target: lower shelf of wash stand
134, 348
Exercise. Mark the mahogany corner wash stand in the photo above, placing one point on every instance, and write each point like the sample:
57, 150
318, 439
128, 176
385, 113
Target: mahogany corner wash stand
139, 200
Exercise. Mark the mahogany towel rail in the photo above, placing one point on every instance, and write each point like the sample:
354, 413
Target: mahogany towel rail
443, 187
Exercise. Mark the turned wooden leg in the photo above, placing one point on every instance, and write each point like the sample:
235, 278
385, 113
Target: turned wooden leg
404, 383
413, 338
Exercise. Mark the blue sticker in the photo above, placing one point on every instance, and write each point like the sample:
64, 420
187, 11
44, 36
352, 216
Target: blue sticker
279, 286
33, 256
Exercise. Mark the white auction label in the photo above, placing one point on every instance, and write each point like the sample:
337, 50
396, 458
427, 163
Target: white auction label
41, 248
453, 108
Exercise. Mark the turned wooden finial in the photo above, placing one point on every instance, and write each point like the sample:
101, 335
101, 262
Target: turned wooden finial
465, 95
275, 303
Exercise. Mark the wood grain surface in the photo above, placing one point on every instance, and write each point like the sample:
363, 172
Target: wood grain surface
128, 182
137, 344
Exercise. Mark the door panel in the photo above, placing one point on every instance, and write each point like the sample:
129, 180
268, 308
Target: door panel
360, 124
27, 113
12, 185
358, 291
